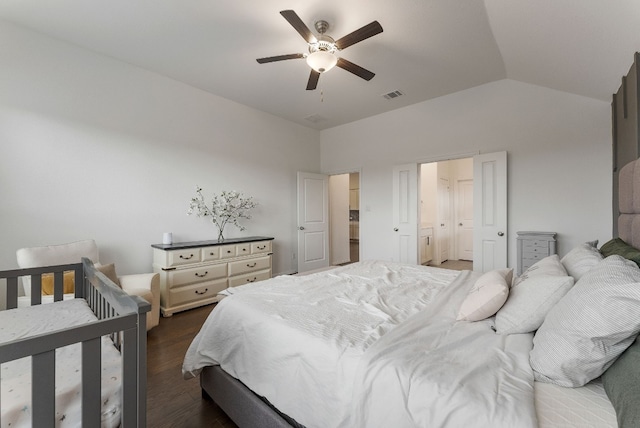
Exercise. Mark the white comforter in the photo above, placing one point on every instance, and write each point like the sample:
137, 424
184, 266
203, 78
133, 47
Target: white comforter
15, 376
371, 344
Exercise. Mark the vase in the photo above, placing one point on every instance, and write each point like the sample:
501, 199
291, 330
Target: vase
220, 235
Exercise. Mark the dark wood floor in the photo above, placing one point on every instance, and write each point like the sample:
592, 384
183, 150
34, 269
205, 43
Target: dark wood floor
171, 400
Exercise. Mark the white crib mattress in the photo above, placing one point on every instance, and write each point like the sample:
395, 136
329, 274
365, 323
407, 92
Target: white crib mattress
585, 407
15, 376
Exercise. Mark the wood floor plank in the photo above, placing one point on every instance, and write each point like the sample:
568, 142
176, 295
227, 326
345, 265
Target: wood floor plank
171, 400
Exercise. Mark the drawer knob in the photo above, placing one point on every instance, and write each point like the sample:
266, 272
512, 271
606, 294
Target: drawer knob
252, 280
244, 249
262, 247
203, 275
212, 254
202, 292
228, 251
186, 258
252, 265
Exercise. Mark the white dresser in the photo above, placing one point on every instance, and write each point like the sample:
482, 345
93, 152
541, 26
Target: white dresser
193, 273
534, 246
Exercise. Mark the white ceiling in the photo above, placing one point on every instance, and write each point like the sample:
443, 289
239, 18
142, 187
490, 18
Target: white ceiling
429, 48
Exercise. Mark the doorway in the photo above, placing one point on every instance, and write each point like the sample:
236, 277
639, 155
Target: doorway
344, 214
446, 213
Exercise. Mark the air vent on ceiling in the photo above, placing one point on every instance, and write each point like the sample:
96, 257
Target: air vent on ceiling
315, 118
393, 94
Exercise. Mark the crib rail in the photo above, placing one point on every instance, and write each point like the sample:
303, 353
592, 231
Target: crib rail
121, 316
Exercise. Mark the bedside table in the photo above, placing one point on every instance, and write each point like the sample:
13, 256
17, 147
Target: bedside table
534, 246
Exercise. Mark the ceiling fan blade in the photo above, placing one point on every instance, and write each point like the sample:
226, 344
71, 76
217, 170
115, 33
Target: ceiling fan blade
359, 35
313, 80
355, 69
279, 58
300, 26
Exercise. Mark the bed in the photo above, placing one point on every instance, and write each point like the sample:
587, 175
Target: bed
96, 343
378, 344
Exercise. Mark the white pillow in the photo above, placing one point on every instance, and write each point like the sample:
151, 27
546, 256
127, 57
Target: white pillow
487, 295
532, 296
581, 259
591, 326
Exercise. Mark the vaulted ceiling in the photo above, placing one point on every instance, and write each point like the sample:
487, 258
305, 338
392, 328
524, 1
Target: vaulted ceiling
429, 48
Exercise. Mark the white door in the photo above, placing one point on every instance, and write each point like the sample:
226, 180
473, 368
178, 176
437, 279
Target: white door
313, 221
490, 211
405, 213
464, 208
444, 219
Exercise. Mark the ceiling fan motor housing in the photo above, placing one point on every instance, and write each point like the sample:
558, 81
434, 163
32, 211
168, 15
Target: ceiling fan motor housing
325, 44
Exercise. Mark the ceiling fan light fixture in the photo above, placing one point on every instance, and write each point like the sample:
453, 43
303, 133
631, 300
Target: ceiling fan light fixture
322, 61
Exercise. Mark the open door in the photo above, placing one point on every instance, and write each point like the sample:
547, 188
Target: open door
490, 211
313, 221
405, 213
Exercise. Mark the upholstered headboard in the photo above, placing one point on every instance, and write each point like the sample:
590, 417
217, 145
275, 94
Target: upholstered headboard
629, 203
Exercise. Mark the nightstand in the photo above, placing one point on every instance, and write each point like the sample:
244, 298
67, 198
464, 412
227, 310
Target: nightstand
534, 246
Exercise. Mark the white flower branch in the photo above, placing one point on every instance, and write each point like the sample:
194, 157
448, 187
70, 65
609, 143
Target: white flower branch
228, 207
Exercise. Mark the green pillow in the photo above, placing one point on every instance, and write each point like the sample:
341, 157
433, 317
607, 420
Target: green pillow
622, 383
621, 248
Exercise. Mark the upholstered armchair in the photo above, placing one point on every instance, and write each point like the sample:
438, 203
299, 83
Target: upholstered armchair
146, 285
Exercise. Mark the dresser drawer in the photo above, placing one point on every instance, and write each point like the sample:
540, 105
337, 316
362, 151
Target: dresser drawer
201, 291
227, 251
181, 277
210, 253
533, 257
183, 257
539, 244
528, 262
243, 249
249, 265
260, 247
249, 278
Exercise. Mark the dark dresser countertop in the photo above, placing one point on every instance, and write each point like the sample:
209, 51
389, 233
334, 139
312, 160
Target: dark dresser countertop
194, 244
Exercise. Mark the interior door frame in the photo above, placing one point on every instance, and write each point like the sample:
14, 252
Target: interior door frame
443, 158
350, 171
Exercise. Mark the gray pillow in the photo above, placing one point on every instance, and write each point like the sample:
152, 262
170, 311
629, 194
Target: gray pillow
590, 326
622, 383
581, 259
532, 296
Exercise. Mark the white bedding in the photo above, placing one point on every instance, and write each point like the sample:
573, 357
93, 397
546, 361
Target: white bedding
16, 375
584, 407
369, 345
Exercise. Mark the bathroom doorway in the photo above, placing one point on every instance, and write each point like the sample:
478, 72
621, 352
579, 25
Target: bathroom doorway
446, 213
344, 218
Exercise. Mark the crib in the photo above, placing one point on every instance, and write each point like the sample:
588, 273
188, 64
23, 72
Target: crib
117, 315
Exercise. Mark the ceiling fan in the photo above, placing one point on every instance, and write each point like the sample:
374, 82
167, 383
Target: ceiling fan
323, 50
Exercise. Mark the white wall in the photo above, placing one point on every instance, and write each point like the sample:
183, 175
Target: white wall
95, 148
559, 154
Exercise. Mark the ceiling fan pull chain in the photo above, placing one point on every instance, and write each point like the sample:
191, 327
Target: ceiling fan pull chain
321, 95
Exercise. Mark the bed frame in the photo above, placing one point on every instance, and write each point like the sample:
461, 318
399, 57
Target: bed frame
121, 316
243, 406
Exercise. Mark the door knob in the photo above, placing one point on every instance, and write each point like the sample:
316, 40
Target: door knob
395, 229
301, 228
500, 233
